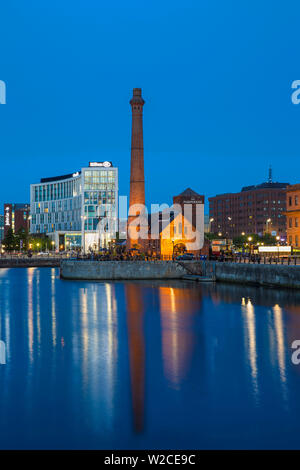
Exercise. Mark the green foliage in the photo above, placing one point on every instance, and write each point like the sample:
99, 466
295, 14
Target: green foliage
21, 238
210, 236
9, 241
23, 241
39, 243
266, 239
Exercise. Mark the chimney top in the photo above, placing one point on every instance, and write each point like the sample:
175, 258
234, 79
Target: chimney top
137, 97
137, 92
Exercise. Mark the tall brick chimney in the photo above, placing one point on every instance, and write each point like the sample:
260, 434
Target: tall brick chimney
137, 180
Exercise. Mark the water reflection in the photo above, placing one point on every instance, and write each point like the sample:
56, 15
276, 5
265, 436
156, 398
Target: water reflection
250, 341
177, 308
31, 272
104, 365
5, 332
53, 308
136, 345
280, 349
112, 344
96, 349
38, 308
277, 330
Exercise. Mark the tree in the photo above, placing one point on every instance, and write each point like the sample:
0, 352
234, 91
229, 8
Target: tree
268, 239
9, 240
243, 240
210, 236
22, 238
39, 243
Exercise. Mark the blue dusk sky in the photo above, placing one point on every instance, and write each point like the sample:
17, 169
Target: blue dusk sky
216, 77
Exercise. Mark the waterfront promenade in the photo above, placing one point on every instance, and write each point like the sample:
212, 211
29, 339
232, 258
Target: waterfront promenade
267, 272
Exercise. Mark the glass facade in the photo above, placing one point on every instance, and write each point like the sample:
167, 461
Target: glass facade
99, 197
72, 241
78, 203
56, 206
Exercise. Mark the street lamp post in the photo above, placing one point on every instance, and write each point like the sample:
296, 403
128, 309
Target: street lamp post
100, 228
229, 220
83, 217
249, 240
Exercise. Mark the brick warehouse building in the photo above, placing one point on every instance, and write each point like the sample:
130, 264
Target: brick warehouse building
16, 216
174, 228
293, 215
256, 209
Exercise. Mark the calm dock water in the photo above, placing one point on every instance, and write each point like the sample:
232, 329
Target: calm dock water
146, 364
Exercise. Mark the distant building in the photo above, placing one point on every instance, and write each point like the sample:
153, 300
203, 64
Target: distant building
256, 209
293, 215
71, 209
206, 223
16, 217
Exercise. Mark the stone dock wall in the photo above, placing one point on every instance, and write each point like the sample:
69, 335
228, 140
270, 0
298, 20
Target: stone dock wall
101, 270
253, 274
30, 262
257, 274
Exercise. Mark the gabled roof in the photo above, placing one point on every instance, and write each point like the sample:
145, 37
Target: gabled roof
189, 192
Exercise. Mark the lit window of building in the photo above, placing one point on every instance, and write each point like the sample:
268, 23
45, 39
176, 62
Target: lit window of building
261, 210
293, 213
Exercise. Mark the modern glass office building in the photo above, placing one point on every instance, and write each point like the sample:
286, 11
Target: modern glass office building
78, 210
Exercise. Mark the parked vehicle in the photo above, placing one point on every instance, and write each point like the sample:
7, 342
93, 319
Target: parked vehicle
186, 257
